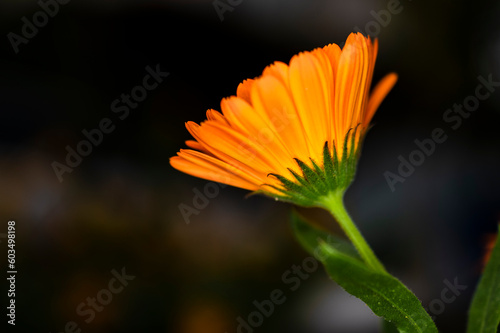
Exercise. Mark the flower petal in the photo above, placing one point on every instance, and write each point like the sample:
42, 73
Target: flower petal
272, 99
257, 126
216, 116
200, 165
351, 85
310, 84
279, 70
244, 89
236, 149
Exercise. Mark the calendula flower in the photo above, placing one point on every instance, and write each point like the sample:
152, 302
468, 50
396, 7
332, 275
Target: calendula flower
294, 133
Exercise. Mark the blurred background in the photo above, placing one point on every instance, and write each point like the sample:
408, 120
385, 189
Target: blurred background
66, 66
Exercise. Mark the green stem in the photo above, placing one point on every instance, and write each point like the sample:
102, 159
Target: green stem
335, 205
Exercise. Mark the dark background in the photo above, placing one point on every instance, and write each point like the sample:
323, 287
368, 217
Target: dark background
120, 206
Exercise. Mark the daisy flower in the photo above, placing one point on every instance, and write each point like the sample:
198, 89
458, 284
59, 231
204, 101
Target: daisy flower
295, 132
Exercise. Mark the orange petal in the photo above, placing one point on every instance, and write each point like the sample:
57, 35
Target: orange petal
243, 90
372, 57
350, 86
257, 126
333, 52
272, 99
196, 145
279, 70
216, 116
235, 148
207, 167
310, 84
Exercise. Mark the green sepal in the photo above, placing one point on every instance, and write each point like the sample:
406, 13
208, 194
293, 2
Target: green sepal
319, 180
304, 182
328, 164
484, 312
386, 296
309, 174
289, 186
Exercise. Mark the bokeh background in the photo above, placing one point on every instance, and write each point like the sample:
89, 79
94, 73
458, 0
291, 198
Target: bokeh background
119, 208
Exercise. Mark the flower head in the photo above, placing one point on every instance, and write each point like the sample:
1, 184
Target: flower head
293, 133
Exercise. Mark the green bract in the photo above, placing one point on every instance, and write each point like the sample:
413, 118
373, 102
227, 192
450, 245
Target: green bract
316, 183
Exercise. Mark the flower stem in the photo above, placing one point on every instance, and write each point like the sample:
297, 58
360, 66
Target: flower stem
335, 205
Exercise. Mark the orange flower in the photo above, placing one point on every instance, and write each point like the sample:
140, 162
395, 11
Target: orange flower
290, 114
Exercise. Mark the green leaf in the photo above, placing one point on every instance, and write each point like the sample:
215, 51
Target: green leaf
384, 294
388, 327
484, 313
